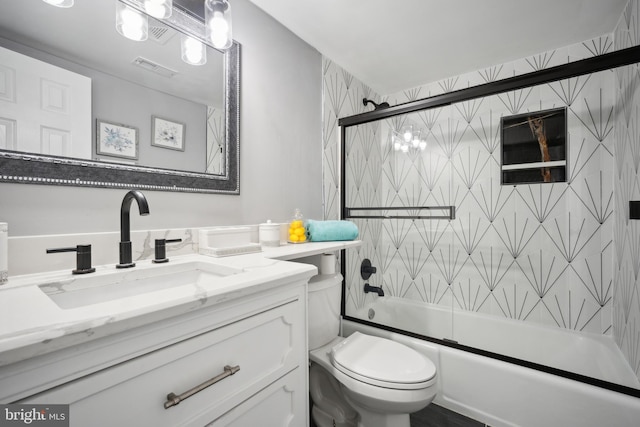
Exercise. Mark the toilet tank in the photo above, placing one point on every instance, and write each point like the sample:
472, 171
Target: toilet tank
324, 293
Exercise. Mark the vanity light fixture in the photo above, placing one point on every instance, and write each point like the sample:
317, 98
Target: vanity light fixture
193, 51
160, 9
131, 23
60, 3
217, 16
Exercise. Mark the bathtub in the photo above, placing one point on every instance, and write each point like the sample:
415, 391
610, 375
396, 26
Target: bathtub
500, 393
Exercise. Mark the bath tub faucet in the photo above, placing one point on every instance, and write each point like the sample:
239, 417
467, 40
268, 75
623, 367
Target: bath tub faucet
125, 226
377, 289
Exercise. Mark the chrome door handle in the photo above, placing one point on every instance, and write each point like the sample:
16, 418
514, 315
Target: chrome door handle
173, 399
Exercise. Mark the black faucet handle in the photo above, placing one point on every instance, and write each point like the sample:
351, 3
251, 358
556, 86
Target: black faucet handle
161, 249
83, 258
366, 270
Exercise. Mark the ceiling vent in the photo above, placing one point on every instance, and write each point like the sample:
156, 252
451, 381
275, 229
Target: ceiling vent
154, 67
160, 33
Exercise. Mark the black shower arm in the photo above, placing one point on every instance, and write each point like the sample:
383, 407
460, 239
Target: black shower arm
376, 106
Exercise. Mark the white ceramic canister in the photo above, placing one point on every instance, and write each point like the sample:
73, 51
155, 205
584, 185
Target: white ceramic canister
269, 234
4, 252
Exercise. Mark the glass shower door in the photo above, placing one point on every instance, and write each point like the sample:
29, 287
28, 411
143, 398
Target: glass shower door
398, 191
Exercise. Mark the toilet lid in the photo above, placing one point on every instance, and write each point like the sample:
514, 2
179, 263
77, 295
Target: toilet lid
383, 362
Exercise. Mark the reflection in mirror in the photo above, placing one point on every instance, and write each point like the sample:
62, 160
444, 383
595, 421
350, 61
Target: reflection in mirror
130, 113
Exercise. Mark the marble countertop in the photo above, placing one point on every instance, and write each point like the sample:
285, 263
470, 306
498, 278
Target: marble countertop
32, 323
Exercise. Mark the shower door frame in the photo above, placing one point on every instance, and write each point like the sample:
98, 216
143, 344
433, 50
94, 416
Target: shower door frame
608, 61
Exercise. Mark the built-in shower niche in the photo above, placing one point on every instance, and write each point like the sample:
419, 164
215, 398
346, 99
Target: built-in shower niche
534, 147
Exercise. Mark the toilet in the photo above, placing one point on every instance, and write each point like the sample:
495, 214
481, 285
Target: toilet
360, 380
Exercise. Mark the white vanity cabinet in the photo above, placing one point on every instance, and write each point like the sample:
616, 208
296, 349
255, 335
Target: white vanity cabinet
264, 335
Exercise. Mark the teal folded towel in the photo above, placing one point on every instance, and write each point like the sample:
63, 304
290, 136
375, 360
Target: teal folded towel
327, 231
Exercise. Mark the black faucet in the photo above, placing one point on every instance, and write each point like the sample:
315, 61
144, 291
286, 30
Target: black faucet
377, 289
125, 227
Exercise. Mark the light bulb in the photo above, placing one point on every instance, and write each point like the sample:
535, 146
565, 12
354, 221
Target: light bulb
218, 23
407, 133
404, 148
160, 9
416, 140
422, 145
219, 28
60, 3
131, 23
193, 51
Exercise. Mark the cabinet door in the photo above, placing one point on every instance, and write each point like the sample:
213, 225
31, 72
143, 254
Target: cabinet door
266, 347
282, 404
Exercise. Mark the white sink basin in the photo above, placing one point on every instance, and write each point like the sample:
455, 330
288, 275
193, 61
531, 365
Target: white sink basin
103, 286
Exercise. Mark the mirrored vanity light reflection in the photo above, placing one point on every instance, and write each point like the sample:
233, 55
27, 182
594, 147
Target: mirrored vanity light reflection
193, 51
130, 23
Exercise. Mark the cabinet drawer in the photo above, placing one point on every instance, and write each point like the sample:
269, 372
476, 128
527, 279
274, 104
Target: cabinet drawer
281, 404
265, 346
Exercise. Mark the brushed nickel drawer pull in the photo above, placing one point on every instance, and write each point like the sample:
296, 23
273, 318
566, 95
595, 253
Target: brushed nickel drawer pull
173, 399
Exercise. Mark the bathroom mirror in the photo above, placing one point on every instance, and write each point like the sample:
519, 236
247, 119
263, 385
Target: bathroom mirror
145, 91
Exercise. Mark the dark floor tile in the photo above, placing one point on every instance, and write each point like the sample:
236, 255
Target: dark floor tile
437, 416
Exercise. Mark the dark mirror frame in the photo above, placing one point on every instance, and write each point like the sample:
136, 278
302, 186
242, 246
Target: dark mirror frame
25, 168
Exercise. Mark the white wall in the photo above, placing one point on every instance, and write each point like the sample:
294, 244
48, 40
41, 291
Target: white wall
280, 152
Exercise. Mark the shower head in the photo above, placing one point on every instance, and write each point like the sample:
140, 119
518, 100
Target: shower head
376, 106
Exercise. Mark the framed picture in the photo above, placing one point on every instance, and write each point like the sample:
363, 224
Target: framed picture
534, 147
167, 133
116, 140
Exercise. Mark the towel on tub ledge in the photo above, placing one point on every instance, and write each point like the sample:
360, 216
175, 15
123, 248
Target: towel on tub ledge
327, 231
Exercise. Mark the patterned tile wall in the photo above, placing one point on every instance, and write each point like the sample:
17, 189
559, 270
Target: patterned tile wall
342, 97
215, 140
626, 296
560, 254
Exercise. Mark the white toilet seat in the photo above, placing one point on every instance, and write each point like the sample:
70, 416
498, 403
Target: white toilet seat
386, 400
382, 362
